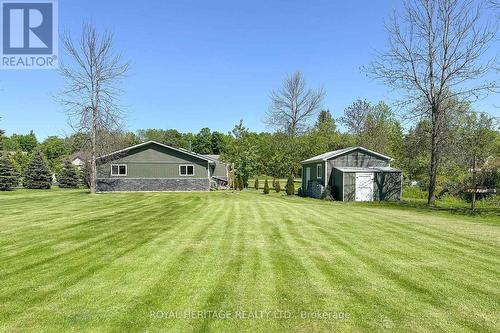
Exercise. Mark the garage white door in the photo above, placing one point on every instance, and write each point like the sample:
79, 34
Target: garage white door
364, 186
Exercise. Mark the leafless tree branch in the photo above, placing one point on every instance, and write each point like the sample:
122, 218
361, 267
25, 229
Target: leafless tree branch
435, 58
92, 77
293, 106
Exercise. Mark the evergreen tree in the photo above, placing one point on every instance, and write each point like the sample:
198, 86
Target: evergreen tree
85, 174
68, 177
290, 187
236, 184
8, 174
2, 133
256, 183
37, 174
277, 186
266, 187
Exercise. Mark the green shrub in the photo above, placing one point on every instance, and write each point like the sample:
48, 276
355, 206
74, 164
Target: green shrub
236, 184
256, 185
290, 186
20, 160
266, 187
68, 177
277, 186
8, 174
414, 192
37, 174
241, 184
85, 174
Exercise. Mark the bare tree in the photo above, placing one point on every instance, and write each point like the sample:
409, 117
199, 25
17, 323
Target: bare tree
90, 98
495, 4
435, 55
355, 115
294, 105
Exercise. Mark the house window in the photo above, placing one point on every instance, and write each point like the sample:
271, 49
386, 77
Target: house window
118, 169
186, 170
319, 171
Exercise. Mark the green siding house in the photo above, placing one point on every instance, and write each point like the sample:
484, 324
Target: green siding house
152, 166
351, 174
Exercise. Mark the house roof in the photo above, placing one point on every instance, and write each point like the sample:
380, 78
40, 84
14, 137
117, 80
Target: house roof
213, 157
79, 154
158, 144
334, 153
371, 169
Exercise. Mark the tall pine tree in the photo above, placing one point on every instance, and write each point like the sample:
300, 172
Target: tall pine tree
2, 133
68, 177
8, 174
37, 174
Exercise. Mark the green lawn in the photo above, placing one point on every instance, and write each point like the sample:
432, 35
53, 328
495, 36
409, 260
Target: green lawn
149, 261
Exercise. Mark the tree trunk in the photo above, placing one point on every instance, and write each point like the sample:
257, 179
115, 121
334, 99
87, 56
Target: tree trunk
434, 158
93, 169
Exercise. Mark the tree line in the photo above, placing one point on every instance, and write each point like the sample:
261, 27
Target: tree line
470, 135
436, 59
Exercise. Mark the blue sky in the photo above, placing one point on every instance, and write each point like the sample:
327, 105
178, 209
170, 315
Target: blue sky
202, 64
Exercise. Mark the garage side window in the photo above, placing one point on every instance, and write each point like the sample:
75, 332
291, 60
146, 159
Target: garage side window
319, 171
186, 170
118, 169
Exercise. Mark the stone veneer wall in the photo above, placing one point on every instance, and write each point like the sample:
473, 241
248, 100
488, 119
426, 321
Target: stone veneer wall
152, 184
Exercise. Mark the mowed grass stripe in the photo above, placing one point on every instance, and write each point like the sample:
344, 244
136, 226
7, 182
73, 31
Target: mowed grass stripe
96, 255
50, 229
82, 240
103, 263
337, 266
378, 224
189, 252
356, 248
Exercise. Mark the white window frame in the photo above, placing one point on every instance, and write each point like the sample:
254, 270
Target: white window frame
118, 174
319, 174
186, 165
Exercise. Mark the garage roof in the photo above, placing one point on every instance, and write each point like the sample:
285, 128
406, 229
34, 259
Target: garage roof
372, 169
331, 154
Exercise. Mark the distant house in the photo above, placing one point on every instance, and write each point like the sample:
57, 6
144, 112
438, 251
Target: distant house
351, 174
152, 166
78, 159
